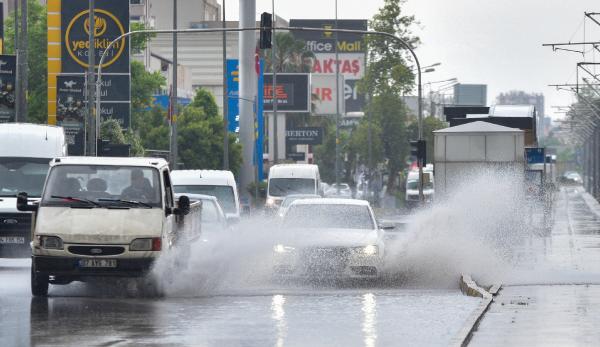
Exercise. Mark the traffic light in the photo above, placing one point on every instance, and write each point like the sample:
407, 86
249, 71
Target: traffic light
418, 149
266, 30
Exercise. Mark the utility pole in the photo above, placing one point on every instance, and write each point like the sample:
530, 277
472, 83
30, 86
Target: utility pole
173, 160
23, 62
225, 99
273, 90
18, 54
91, 118
248, 86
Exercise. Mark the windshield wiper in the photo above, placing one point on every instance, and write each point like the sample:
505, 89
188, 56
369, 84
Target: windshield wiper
129, 202
88, 201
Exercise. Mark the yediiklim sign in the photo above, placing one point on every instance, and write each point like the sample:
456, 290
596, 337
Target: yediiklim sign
111, 19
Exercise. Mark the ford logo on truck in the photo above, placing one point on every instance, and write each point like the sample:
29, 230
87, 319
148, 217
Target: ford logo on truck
96, 250
10, 221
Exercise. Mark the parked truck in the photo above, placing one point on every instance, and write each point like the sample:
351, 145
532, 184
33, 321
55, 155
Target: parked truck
25, 153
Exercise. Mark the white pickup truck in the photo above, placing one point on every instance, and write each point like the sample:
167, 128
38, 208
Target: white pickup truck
103, 217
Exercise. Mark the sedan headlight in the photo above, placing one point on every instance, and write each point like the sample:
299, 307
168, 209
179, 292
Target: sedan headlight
149, 244
50, 242
367, 250
282, 249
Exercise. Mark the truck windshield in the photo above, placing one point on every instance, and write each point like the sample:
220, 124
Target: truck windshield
22, 175
224, 194
288, 186
104, 185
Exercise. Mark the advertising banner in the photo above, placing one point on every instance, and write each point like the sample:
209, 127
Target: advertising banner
351, 54
111, 19
260, 120
292, 91
304, 136
233, 110
71, 111
355, 101
324, 42
352, 65
233, 88
323, 87
8, 69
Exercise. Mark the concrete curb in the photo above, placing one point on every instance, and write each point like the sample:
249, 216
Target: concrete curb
470, 288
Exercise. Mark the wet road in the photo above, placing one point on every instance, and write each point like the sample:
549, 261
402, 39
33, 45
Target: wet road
558, 302
74, 315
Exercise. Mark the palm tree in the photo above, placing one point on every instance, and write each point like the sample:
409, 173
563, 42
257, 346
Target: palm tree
290, 55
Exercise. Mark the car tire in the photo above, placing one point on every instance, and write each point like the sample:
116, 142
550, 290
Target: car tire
39, 283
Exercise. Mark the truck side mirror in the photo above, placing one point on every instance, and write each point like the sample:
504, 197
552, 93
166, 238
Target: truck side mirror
183, 206
23, 204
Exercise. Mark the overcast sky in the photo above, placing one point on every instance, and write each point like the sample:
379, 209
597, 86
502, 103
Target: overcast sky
493, 42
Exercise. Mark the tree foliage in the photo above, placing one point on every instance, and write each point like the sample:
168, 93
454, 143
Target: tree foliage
291, 54
37, 96
386, 80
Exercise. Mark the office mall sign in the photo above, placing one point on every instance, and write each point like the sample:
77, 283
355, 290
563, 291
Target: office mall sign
111, 19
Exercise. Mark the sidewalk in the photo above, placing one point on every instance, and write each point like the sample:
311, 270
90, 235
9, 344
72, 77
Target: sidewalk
559, 304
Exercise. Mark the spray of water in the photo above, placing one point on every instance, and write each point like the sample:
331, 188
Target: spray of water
479, 229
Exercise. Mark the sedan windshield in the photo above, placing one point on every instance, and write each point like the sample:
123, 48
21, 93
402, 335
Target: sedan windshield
287, 186
329, 216
22, 175
103, 185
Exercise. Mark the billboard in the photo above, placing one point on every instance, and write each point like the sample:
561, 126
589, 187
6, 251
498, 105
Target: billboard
304, 136
323, 87
324, 42
111, 19
292, 92
71, 111
8, 69
351, 53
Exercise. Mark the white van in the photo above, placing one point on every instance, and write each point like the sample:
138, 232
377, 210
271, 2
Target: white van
412, 188
287, 179
102, 216
25, 154
218, 183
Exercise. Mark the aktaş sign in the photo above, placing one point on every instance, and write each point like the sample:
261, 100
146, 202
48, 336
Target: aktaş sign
111, 19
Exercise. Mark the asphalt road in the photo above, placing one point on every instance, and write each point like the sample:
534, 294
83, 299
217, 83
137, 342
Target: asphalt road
76, 315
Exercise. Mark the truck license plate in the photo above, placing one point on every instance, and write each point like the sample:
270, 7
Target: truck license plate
12, 239
98, 263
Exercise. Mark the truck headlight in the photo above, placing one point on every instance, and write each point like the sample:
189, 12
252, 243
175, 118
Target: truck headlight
148, 244
50, 242
367, 250
282, 249
270, 202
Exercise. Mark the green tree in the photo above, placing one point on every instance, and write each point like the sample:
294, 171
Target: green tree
291, 54
200, 136
387, 79
37, 96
